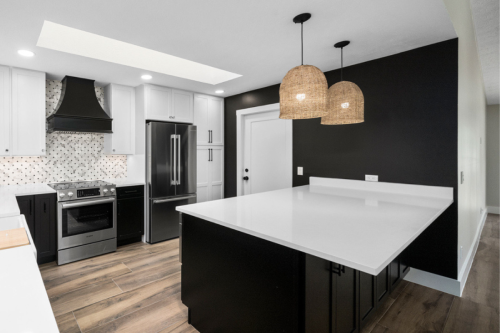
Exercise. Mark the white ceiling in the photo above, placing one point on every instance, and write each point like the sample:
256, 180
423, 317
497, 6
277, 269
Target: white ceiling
486, 23
254, 38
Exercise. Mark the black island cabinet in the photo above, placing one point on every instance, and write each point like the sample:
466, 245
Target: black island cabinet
235, 282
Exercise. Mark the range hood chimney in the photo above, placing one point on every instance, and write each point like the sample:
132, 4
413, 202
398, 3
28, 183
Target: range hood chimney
78, 109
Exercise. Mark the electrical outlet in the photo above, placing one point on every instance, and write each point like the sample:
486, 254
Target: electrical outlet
300, 171
371, 178
461, 177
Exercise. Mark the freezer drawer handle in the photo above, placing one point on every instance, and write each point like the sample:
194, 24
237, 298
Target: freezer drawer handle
179, 160
173, 152
173, 199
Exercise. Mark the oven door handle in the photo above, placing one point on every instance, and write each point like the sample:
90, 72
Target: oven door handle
87, 203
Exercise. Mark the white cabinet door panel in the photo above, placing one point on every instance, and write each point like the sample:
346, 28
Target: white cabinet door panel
202, 194
201, 118
158, 103
120, 105
203, 167
216, 120
5, 119
216, 192
28, 112
217, 165
182, 106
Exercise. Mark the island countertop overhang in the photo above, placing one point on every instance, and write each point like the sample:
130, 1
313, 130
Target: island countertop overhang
362, 225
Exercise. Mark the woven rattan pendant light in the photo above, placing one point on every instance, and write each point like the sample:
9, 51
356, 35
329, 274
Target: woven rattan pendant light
304, 88
345, 101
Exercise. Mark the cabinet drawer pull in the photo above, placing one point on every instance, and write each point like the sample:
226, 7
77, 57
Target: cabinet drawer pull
339, 270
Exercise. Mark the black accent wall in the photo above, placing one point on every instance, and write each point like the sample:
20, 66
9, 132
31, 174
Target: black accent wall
409, 136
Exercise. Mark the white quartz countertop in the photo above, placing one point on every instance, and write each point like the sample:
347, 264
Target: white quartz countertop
8, 193
24, 304
362, 225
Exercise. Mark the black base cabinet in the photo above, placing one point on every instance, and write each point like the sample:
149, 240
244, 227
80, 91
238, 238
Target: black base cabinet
40, 212
130, 214
234, 282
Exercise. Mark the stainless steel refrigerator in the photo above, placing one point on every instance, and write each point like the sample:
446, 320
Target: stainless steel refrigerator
171, 176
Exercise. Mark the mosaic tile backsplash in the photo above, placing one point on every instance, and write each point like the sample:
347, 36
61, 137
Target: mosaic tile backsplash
69, 157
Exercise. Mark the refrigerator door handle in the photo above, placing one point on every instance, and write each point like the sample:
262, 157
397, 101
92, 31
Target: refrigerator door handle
174, 199
173, 162
179, 159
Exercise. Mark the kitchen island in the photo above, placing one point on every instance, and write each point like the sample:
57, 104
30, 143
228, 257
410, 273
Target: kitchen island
316, 258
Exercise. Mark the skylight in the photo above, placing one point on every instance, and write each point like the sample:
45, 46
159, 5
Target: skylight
65, 39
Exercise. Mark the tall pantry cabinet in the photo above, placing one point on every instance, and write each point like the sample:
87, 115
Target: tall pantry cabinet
209, 120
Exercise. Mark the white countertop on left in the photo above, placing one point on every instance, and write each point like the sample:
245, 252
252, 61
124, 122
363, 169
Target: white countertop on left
24, 304
8, 193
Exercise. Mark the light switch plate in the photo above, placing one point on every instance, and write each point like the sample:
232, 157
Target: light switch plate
371, 178
300, 171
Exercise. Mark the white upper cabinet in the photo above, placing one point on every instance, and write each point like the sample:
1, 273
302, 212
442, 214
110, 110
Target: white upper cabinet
158, 102
119, 102
209, 119
28, 112
166, 104
182, 106
5, 121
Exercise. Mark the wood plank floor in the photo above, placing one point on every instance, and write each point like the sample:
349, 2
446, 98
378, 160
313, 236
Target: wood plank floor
137, 289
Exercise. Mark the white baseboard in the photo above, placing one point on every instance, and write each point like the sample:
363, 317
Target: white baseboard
444, 284
493, 209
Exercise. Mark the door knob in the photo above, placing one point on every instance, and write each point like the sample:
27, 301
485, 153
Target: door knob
245, 178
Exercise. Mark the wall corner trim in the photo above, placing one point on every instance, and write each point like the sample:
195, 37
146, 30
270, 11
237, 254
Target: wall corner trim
434, 281
444, 284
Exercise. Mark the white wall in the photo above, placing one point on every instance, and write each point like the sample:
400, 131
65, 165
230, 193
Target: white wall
493, 158
471, 130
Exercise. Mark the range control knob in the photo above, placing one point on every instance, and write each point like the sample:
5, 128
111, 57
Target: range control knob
70, 194
112, 190
105, 190
61, 195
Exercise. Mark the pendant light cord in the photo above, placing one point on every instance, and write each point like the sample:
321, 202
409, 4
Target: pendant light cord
302, 41
341, 64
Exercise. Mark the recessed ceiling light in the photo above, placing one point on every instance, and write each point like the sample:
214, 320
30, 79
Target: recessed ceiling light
65, 39
219, 91
25, 53
146, 77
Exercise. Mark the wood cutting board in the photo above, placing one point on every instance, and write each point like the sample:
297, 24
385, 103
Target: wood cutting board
13, 238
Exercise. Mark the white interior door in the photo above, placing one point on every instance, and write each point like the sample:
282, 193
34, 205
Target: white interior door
267, 152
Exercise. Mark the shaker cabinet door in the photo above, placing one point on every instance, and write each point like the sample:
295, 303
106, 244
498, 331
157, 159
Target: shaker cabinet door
46, 227
158, 103
5, 114
28, 112
182, 106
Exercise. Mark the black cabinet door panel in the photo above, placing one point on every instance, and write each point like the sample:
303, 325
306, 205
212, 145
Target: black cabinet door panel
317, 291
130, 218
345, 300
367, 299
46, 227
27, 206
382, 284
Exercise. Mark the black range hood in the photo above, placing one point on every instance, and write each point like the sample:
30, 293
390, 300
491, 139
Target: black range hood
78, 109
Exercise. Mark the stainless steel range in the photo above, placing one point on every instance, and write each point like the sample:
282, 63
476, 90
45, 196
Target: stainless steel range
86, 219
